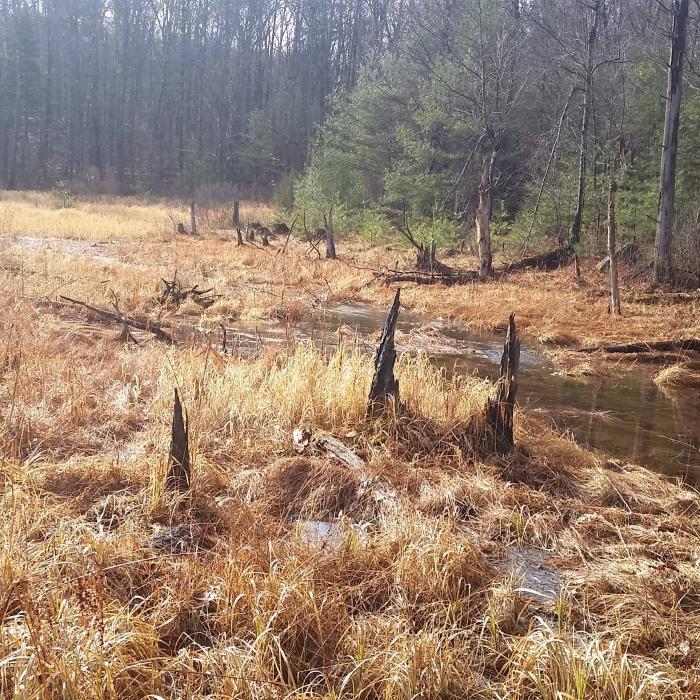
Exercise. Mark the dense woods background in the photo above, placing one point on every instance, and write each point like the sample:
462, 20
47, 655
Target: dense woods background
443, 108
131, 94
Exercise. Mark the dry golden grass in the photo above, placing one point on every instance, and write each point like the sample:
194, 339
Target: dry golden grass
109, 219
678, 375
415, 607
418, 602
553, 308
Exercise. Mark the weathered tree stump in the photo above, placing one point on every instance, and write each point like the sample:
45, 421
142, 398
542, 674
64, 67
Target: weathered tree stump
239, 234
180, 229
179, 472
499, 411
384, 384
264, 236
425, 257
330, 240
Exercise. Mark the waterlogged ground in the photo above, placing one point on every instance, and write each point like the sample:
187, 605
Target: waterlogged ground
625, 415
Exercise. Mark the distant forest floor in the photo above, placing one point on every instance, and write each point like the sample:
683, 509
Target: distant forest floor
431, 567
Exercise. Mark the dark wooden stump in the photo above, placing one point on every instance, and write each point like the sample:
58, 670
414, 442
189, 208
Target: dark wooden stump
179, 472
384, 384
240, 237
499, 412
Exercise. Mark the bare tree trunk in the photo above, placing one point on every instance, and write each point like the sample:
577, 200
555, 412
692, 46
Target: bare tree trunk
585, 121
483, 218
193, 219
612, 245
663, 264
330, 241
235, 216
240, 237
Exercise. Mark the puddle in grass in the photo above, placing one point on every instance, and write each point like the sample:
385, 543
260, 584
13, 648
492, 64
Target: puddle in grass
536, 579
322, 534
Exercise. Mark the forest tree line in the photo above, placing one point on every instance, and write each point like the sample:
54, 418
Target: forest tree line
137, 95
520, 118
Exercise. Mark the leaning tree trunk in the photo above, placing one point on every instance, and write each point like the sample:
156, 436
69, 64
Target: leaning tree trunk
663, 264
193, 219
585, 121
384, 383
178, 478
483, 218
612, 246
330, 241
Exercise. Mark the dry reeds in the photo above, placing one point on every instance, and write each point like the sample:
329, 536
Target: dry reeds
677, 375
411, 597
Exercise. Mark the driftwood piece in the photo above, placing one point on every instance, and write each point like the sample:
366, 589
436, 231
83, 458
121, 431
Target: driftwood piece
176, 294
179, 471
545, 261
384, 383
426, 255
499, 411
123, 320
307, 442
688, 344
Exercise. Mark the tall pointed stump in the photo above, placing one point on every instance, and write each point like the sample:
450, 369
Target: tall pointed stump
384, 383
499, 412
179, 472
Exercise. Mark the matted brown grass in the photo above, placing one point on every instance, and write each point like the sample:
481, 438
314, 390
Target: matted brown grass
411, 596
415, 605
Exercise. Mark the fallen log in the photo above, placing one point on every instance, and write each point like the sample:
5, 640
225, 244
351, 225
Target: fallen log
628, 253
121, 319
666, 298
688, 344
178, 478
500, 411
418, 277
306, 442
384, 384
546, 261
